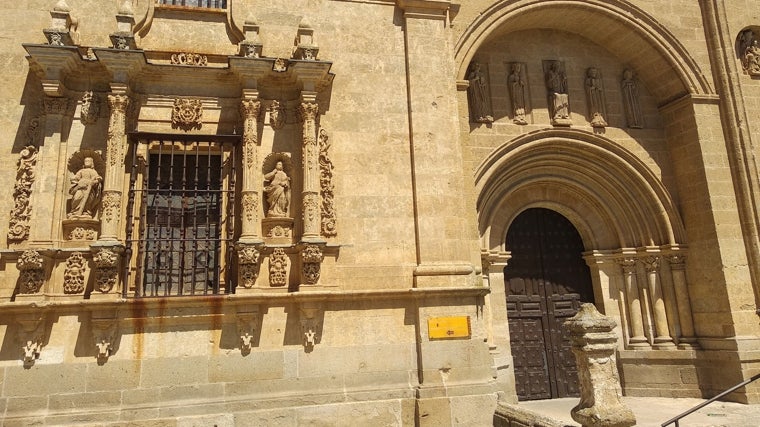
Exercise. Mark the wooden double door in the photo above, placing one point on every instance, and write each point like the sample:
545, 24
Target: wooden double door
546, 281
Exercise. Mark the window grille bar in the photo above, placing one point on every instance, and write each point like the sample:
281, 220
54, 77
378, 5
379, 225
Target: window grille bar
209, 4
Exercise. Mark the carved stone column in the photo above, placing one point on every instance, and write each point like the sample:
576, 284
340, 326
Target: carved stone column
662, 337
677, 268
594, 344
312, 218
635, 319
115, 145
249, 110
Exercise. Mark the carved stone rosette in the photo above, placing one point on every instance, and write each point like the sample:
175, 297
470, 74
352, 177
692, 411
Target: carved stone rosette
31, 267
21, 213
311, 263
187, 114
73, 275
278, 268
326, 186
248, 265
106, 270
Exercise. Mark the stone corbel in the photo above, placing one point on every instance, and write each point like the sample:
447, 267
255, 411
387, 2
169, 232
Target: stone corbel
311, 263
305, 48
31, 336
63, 27
104, 326
31, 266
124, 37
247, 319
251, 47
310, 325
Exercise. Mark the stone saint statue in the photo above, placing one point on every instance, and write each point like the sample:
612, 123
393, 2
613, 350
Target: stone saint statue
517, 92
631, 103
750, 53
556, 84
595, 94
477, 95
278, 192
85, 191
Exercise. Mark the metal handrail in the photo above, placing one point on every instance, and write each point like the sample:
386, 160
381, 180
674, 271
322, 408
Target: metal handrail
703, 404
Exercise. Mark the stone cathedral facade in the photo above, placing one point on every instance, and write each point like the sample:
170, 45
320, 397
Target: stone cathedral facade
371, 212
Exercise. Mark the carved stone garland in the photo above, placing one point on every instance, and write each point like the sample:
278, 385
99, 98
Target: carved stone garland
248, 265
73, 276
107, 274
187, 114
22, 210
278, 268
326, 186
32, 276
311, 263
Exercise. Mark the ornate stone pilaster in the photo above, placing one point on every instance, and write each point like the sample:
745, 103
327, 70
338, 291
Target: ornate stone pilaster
329, 227
73, 275
311, 264
18, 228
678, 270
594, 344
114, 175
32, 272
635, 319
662, 337
311, 173
249, 111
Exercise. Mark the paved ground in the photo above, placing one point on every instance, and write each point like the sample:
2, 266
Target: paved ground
653, 411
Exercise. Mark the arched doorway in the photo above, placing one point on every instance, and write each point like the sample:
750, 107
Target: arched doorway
546, 281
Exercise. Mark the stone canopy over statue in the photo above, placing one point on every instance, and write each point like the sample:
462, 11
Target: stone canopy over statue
86, 185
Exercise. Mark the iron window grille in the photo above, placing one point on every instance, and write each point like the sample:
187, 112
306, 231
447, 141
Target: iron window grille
208, 4
181, 218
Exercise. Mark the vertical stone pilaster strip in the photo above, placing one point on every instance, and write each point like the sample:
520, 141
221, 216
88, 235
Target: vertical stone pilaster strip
635, 318
312, 217
115, 145
249, 110
662, 337
677, 268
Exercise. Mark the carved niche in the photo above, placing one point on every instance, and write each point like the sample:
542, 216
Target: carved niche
326, 167
187, 114
73, 275
748, 49
278, 268
21, 213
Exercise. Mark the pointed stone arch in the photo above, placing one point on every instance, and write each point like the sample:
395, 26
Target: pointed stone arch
661, 61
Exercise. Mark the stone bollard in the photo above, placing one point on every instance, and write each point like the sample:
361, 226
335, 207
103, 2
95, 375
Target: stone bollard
594, 344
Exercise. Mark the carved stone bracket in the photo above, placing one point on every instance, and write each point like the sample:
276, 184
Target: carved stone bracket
329, 228
247, 319
311, 263
106, 262
248, 265
310, 326
187, 114
73, 275
104, 326
32, 272
279, 264
31, 336
21, 213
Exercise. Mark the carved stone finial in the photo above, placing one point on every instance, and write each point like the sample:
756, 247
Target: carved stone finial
126, 8
594, 344
62, 31
251, 47
62, 6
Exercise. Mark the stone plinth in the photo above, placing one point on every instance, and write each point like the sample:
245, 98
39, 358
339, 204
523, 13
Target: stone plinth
278, 231
594, 344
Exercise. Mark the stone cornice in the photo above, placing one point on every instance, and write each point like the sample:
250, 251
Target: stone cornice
428, 9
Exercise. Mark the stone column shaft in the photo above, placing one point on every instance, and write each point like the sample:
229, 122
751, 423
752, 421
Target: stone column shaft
662, 335
249, 110
114, 179
677, 267
635, 318
312, 218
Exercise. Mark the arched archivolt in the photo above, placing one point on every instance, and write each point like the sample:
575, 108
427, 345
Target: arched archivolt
611, 196
661, 62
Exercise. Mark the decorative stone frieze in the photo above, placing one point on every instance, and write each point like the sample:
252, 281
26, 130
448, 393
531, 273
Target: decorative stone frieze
188, 58
82, 233
305, 48
106, 270
557, 92
56, 106
278, 268
32, 274
74, 274
248, 265
90, 111
329, 227
187, 114
311, 264
31, 336
478, 94
631, 103
594, 344
597, 109
21, 213
749, 52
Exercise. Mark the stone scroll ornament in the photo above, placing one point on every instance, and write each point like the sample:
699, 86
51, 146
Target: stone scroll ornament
326, 186
278, 268
749, 52
107, 273
477, 95
311, 263
73, 275
21, 213
32, 274
187, 114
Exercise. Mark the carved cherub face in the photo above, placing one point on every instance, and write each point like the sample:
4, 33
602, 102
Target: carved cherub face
278, 166
88, 163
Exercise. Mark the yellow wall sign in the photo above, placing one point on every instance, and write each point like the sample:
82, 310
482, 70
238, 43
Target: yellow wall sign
442, 328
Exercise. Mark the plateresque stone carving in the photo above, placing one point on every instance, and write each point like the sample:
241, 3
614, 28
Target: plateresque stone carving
278, 268
21, 213
90, 108
276, 115
311, 263
516, 82
187, 114
277, 190
595, 95
326, 186
73, 276
187, 58
86, 185
477, 94
749, 51
106, 270
594, 344
248, 265
556, 86
32, 274
631, 104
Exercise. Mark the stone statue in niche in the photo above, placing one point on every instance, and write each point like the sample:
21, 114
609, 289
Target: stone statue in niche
749, 51
516, 81
85, 187
595, 95
631, 105
556, 85
477, 95
277, 189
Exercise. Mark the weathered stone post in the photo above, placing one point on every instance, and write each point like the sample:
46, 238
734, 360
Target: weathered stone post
594, 343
